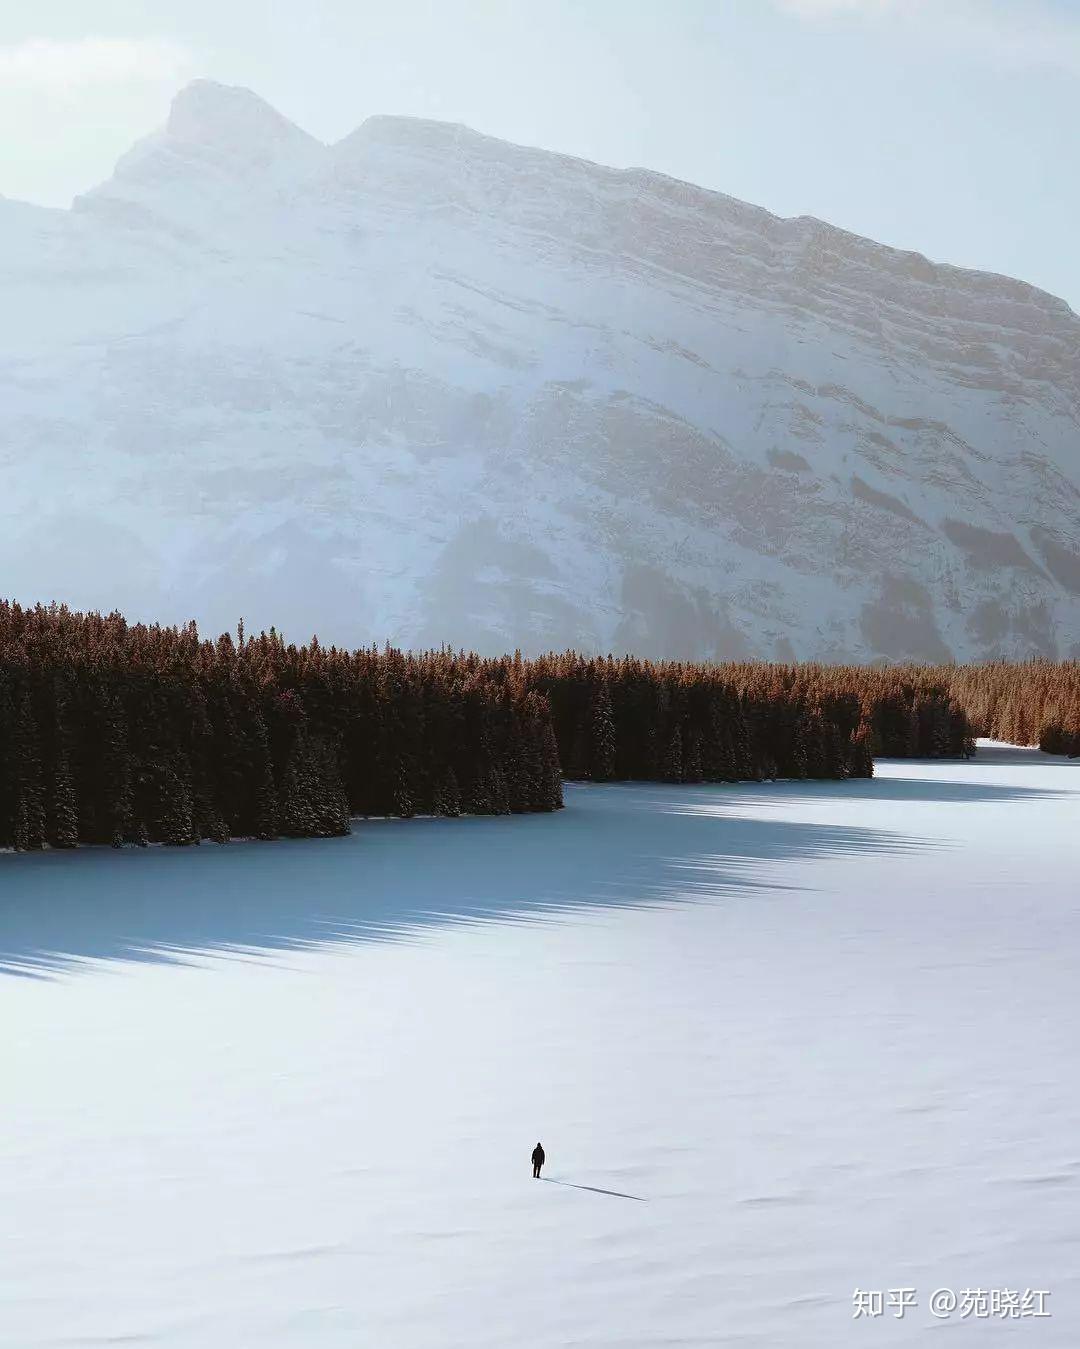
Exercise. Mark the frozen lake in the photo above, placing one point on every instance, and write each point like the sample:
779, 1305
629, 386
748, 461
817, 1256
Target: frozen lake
798, 1039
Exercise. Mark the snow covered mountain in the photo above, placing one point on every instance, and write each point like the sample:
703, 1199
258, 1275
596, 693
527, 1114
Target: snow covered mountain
426, 386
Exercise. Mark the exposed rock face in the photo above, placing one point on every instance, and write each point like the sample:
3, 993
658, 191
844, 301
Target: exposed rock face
429, 387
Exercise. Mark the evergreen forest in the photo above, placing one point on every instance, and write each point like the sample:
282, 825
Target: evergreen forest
124, 733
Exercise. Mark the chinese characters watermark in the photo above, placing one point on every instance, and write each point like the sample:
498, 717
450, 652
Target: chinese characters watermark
1002, 1304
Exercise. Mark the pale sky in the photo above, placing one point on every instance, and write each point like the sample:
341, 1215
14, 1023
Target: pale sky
947, 126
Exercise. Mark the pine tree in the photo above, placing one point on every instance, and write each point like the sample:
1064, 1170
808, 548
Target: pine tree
941, 732
117, 775
914, 748
209, 818
174, 823
816, 746
7, 760
331, 801
263, 813
63, 811
862, 760
29, 795
516, 769
718, 755
63, 814
746, 769
447, 794
547, 790
403, 796
497, 793
800, 756
313, 799
602, 747
673, 761
479, 801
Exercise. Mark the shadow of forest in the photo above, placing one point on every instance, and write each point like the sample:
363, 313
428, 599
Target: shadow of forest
616, 846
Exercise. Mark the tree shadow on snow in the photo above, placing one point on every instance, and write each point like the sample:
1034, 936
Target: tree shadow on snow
939, 791
617, 846
1020, 756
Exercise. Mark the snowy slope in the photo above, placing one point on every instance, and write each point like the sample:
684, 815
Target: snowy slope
427, 386
284, 1095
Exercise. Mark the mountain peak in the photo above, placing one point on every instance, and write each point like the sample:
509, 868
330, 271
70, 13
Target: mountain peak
216, 133
230, 117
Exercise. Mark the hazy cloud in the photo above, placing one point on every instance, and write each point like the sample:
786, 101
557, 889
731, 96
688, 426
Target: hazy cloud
1008, 33
43, 64
817, 8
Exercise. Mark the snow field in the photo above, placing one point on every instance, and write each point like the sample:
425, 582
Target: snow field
285, 1094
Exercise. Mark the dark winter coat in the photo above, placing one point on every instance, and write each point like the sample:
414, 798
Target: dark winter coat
538, 1156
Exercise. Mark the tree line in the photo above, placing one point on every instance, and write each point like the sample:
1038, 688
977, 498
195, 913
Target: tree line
123, 733
128, 734
912, 712
1034, 702
683, 722
931, 710
687, 722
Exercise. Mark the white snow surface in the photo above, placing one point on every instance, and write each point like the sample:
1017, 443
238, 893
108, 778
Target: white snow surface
786, 1040
426, 386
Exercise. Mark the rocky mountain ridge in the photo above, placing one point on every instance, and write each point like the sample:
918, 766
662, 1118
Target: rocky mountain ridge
425, 386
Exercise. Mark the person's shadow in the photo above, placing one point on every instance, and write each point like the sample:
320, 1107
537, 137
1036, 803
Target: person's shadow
617, 1194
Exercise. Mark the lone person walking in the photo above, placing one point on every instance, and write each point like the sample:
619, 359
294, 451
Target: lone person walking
537, 1161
